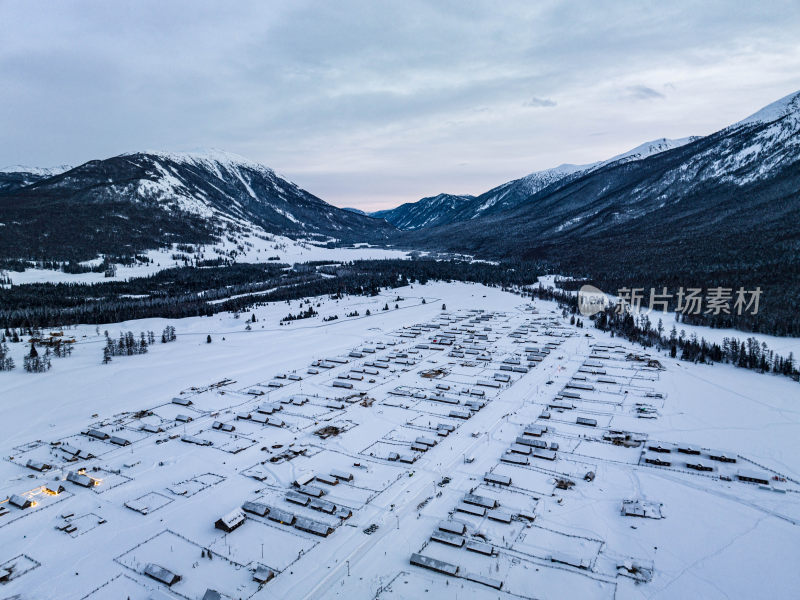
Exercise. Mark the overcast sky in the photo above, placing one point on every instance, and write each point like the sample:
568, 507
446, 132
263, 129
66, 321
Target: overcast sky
371, 104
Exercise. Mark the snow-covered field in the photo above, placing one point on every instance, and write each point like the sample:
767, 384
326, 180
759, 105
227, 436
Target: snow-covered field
248, 248
779, 345
420, 405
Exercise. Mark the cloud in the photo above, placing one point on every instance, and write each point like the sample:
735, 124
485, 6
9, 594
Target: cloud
372, 104
540, 102
642, 92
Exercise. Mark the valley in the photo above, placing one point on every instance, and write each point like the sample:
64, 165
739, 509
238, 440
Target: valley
464, 425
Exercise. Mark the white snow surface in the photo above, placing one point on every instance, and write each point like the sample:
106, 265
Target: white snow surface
158, 498
43, 171
788, 105
258, 246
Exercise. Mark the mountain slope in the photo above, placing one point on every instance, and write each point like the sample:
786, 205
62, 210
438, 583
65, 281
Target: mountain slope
428, 212
723, 208
446, 208
19, 176
133, 202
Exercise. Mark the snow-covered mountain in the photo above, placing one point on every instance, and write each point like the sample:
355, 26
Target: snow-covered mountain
18, 176
722, 209
145, 200
690, 175
446, 208
434, 210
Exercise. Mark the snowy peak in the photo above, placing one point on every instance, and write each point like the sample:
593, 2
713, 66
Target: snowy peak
212, 159
141, 201
38, 171
427, 212
647, 149
786, 106
20, 176
736, 187
446, 208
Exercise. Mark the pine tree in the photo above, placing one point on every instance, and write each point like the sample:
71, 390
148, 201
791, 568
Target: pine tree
6, 362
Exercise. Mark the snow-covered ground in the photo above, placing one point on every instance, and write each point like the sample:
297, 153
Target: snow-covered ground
380, 381
248, 248
779, 345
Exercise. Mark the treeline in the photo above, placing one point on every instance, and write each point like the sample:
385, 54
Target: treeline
746, 354
191, 291
172, 293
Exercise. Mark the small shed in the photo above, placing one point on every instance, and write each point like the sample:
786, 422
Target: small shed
497, 479
310, 490
54, 488
535, 430
722, 456
480, 547
545, 454
459, 414
752, 477
37, 466
480, 501
297, 498
80, 479
263, 575
439, 566
283, 517
657, 447
499, 515
20, 501
342, 475
231, 521
453, 527
257, 508
191, 439
471, 509
315, 527
447, 538
161, 574
322, 506
699, 466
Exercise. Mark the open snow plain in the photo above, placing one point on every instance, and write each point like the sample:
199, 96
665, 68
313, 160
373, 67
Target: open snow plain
488, 450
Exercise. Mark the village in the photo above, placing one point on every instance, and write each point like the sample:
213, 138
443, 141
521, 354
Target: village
464, 446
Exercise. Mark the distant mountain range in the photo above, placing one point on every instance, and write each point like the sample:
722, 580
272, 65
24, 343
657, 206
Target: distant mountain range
140, 201
720, 208
19, 176
746, 173
447, 208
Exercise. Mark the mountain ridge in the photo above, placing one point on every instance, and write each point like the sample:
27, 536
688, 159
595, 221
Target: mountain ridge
430, 211
138, 201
